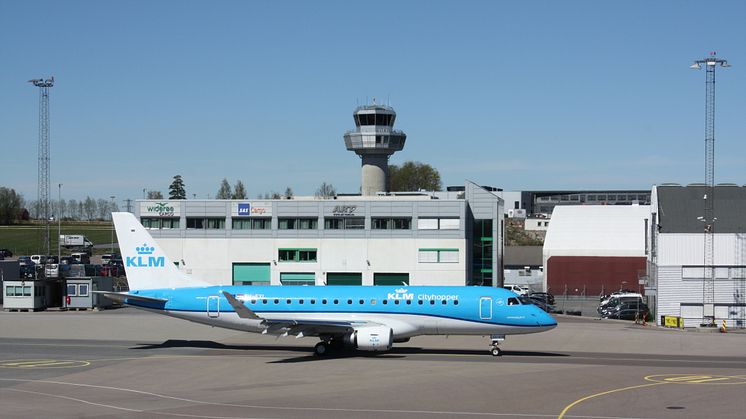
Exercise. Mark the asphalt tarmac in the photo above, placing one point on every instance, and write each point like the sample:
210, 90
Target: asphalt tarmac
134, 364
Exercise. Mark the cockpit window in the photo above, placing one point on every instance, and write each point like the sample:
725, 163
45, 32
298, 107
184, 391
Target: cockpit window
513, 301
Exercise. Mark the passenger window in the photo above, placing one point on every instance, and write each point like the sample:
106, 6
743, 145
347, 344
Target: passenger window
385, 302
323, 301
513, 302
396, 302
288, 301
362, 302
349, 301
336, 301
432, 302
277, 301
455, 302
409, 301
300, 301
372, 301
313, 301
253, 301
444, 302
264, 301
419, 302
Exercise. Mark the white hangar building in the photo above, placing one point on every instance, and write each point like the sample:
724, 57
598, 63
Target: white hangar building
678, 253
449, 238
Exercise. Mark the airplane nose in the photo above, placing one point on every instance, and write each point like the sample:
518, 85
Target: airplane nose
548, 321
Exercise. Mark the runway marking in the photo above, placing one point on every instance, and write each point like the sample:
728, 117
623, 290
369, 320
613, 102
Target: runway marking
576, 402
291, 408
42, 363
659, 379
697, 379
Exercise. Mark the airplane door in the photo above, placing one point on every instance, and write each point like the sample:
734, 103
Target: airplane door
485, 308
213, 306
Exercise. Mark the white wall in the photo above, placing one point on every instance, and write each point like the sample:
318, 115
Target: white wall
211, 260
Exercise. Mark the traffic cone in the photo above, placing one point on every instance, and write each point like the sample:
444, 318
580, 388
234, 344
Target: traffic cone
723, 328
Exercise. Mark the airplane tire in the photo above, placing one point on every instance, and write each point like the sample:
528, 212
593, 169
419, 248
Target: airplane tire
320, 349
495, 351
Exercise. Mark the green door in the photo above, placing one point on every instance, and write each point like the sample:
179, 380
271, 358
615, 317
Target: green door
251, 274
344, 278
297, 278
392, 279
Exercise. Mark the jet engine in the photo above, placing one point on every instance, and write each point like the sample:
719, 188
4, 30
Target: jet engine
371, 338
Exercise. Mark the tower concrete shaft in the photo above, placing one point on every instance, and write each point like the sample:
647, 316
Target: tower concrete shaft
374, 140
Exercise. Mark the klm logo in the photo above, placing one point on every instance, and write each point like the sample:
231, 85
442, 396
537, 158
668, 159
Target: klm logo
145, 258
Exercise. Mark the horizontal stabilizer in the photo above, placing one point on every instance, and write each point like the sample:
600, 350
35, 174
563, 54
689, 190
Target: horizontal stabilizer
120, 297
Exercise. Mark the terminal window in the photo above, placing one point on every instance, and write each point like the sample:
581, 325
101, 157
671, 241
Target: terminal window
205, 223
297, 255
344, 223
391, 223
251, 223
152, 223
297, 223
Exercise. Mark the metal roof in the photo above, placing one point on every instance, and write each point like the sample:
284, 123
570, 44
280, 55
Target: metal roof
679, 207
597, 230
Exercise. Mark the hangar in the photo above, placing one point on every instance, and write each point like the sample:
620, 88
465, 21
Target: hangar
595, 249
678, 253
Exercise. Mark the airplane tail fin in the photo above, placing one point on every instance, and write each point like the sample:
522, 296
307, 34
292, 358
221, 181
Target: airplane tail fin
145, 263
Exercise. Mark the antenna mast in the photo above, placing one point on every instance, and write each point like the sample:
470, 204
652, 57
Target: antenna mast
708, 283
43, 174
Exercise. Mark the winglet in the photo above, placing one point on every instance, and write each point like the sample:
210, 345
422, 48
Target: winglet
241, 309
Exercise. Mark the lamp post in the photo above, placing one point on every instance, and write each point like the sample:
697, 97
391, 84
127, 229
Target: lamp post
112, 224
59, 221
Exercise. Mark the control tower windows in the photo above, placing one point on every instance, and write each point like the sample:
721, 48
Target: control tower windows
374, 119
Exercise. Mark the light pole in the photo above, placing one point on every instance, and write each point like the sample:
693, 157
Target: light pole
112, 224
59, 221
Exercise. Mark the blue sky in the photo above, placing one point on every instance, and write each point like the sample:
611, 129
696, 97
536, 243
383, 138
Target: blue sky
518, 95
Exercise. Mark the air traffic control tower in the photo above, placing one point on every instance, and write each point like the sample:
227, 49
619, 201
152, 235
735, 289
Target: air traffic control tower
374, 140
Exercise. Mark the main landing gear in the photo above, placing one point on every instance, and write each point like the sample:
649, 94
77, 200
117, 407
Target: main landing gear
496, 340
324, 347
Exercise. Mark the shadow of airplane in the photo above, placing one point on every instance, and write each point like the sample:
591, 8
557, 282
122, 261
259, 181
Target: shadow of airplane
394, 353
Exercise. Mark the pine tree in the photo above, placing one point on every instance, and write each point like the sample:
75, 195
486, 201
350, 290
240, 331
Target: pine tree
176, 189
239, 191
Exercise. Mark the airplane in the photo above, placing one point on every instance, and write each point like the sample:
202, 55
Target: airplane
365, 318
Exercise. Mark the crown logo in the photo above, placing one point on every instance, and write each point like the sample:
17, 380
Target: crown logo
401, 290
144, 250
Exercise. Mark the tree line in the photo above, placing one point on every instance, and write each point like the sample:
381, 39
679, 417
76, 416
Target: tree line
13, 208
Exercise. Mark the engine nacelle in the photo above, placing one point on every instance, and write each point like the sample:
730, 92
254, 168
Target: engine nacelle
371, 338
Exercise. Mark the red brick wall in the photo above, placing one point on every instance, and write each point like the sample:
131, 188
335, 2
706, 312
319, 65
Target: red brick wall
594, 273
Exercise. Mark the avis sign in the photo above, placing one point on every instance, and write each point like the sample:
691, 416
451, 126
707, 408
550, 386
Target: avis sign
145, 258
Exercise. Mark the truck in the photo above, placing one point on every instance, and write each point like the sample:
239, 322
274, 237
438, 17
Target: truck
75, 241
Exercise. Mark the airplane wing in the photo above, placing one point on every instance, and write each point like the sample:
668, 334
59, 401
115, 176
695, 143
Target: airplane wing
294, 327
121, 297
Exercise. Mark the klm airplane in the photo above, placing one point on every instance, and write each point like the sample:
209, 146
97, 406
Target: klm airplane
366, 318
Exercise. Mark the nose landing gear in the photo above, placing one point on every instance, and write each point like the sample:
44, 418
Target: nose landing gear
496, 340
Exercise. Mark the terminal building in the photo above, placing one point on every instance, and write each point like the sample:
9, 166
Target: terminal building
391, 239
375, 238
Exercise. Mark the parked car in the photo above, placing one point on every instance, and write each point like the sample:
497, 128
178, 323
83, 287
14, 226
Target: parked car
56, 270
544, 296
628, 311
81, 257
25, 260
39, 259
106, 257
614, 303
517, 289
6, 253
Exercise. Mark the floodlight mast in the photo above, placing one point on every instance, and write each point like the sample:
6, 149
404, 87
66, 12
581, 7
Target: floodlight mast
708, 282
43, 173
